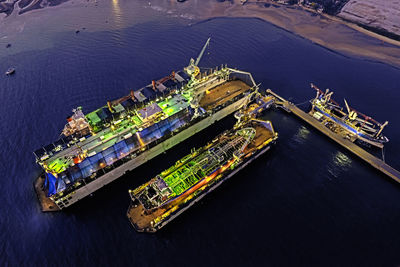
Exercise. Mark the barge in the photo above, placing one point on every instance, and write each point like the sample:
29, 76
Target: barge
101, 146
163, 198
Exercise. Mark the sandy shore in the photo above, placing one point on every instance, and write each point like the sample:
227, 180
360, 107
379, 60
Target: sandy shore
330, 32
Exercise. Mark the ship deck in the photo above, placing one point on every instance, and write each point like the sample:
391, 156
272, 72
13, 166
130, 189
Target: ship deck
138, 218
46, 204
223, 93
263, 134
108, 137
136, 212
334, 127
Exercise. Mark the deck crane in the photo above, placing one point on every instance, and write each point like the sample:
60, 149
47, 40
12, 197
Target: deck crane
193, 70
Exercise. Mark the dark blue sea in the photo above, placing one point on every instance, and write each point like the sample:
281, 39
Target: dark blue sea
308, 202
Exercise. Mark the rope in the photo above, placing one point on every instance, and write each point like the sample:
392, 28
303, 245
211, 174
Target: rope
383, 154
302, 103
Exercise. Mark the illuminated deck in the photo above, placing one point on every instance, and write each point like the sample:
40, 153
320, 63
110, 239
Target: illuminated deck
101, 146
133, 138
108, 137
195, 175
223, 93
130, 124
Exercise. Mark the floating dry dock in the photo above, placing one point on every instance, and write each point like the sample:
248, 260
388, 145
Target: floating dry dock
355, 149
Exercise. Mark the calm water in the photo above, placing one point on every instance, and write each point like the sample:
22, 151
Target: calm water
308, 202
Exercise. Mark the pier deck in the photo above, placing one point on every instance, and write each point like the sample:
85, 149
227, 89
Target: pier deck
355, 149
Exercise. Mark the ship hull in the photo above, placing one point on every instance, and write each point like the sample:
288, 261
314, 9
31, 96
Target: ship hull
199, 197
142, 158
363, 137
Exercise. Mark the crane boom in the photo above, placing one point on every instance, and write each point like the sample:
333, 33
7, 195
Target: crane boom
347, 106
202, 52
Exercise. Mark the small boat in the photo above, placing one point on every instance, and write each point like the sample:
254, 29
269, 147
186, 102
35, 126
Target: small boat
10, 71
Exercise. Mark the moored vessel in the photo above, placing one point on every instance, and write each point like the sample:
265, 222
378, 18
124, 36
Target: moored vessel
349, 123
174, 190
99, 147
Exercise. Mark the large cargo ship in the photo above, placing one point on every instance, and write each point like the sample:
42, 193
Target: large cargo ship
349, 123
167, 195
102, 145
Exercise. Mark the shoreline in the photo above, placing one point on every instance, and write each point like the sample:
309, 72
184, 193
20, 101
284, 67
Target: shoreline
327, 31
330, 32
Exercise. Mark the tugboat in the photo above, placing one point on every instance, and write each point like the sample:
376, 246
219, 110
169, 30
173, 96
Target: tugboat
10, 71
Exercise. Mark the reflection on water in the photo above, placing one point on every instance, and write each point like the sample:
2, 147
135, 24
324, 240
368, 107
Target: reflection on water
301, 135
117, 13
340, 162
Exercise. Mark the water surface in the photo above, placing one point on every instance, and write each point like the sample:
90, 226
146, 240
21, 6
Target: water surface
308, 202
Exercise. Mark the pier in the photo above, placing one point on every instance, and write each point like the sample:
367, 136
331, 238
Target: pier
350, 146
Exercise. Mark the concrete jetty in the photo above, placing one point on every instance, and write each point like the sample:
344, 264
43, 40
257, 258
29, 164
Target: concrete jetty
350, 146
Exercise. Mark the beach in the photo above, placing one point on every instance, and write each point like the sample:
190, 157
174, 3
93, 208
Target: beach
328, 31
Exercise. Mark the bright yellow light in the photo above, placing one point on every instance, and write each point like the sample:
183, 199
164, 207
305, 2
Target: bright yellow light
140, 139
